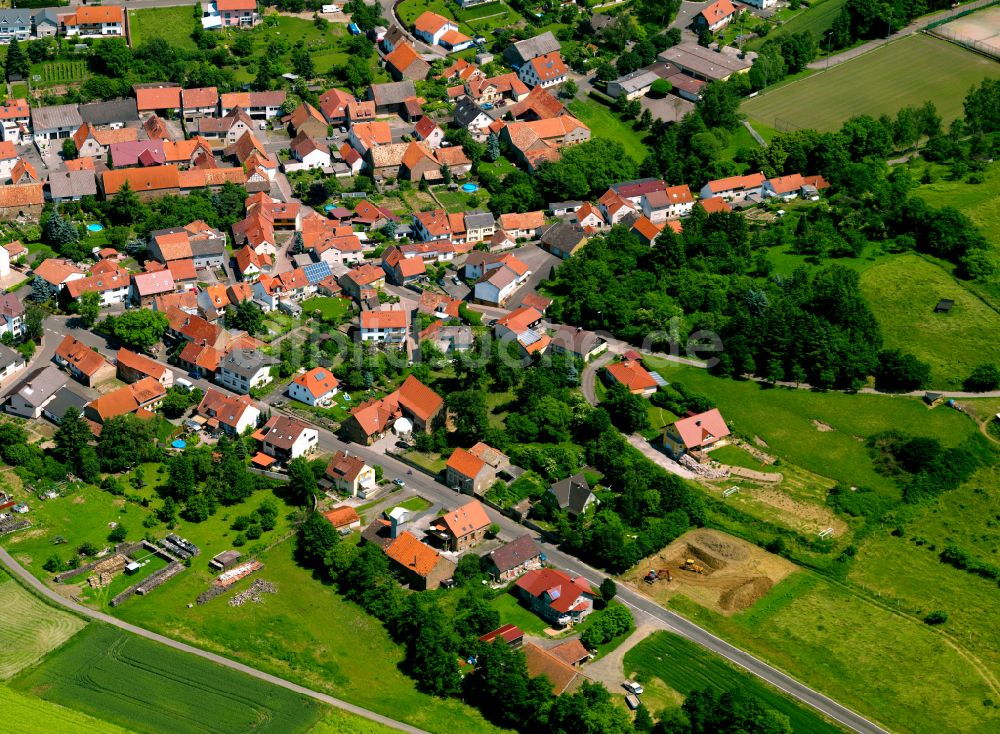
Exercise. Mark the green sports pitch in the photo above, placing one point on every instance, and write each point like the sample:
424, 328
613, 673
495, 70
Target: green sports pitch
909, 71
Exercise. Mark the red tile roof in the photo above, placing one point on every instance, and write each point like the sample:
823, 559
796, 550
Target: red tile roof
410, 553
419, 399
464, 463
318, 381
342, 517
698, 430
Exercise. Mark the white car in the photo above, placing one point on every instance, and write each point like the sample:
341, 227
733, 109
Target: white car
632, 687
399, 482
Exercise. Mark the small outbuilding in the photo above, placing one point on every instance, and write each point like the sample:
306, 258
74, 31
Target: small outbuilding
944, 305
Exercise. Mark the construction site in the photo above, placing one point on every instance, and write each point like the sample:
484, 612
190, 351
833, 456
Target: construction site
716, 570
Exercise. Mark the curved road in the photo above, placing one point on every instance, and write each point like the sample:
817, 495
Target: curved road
55, 598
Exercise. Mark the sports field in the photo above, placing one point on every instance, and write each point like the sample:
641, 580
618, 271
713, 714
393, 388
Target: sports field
906, 72
981, 30
147, 687
29, 629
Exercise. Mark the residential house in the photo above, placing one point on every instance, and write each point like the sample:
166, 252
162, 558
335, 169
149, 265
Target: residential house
111, 284
350, 474
632, 86
11, 315
526, 226
384, 327
285, 438
56, 272
695, 433
391, 98
133, 367
92, 142
57, 122
402, 270
555, 596
429, 133
112, 113
158, 99
785, 188
83, 363
316, 387
437, 30
385, 161
8, 159
572, 495
243, 370
468, 474
200, 360
734, 188
15, 117
147, 183
520, 53
564, 239
361, 111
499, 283
307, 119
231, 414
142, 398
21, 202
218, 14
631, 374
132, 153
364, 135
199, 102
65, 398
615, 209
673, 202
463, 528
577, 343
544, 71
646, 230
423, 567
540, 140
11, 362
258, 105
512, 559
361, 278
564, 678
69, 185
519, 325
715, 17
479, 226
405, 63
539, 104
475, 118
333, 104
94, 21
149, 285
229, 128
29, 397
310, 152
715, 205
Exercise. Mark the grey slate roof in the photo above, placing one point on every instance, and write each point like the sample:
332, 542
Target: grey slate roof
466, 111
40, 385
12, 17
8, 357
65, 398
515, 553
572, 493
563, 236
477, 219
206, 247
531, 48
392, 93
112, 111
70, 184
245, 362
50, 118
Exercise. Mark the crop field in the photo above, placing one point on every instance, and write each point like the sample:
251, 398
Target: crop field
685, 667
795, 423
864, 655
909, 71
902, 293
35, 716
60, 72
29, 628
148, 687
305, 632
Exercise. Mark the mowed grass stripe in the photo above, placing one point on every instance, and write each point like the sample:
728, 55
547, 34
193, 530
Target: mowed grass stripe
28, 715
685, 667
29, 628
151, 688
906, 72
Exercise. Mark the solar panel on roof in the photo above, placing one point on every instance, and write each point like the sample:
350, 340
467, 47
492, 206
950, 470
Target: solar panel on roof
317, 271
529, 337
658, 380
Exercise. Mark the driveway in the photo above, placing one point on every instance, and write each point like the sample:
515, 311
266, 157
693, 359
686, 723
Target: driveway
541, 264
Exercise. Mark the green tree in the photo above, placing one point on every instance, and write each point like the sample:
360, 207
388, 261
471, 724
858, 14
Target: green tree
69, 151
302, 63
608, 589
125, 207
59, 231
246, 315
17, 64
140, 328
302, 485
72, 437
983, 378
629, 412
125, 441
898, 370
469, 414
118, 534
492, 147
88, 308
175, 403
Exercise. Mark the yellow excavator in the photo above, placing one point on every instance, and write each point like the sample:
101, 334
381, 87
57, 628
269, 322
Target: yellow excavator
690, 565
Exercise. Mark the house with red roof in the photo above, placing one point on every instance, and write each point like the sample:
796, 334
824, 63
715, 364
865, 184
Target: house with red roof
423, 568
632, 375
333, 104
413, 400
344, 519
462, 528
715, 17
544, 71
231, 414
133, 367
83, 363
734, 188
555, 596
350, 474
714, 205
695, 433
405, 63
519, 325
316, 387
468, 473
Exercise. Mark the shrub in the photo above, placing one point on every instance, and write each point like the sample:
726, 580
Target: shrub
936, 617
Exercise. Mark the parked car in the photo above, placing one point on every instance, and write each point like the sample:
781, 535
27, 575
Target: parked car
632, 687
456, 280
399, 482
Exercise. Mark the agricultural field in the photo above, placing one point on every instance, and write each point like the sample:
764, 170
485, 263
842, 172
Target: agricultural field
36, 716
140, 684
54, 73
669, 668
862, 653
909, 71
604, 123
29, 628
902, 293
821, 432
173, 25
305, 632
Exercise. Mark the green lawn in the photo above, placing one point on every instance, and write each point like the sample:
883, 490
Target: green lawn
331, 309
903, 292
685, 667
604, 123
141, 684
307, 633
816, 18
784, 419
909, 71
174, 25
460, 201
862, 655
479, 20
735, 456
36, 716
29, 629
513, 612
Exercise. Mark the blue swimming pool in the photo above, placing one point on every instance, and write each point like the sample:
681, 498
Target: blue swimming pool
179, 443
95, 227
470, 188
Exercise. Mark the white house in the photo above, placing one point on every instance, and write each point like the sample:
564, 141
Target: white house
234, 413
243, 370
671, 203
734, 187
309, 152
11, 315
544, 71
501, 283
785, 188
285, 438
350, 474
384, 327
317, 387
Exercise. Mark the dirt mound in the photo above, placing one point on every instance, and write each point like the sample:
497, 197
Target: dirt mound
719, 545
746, 594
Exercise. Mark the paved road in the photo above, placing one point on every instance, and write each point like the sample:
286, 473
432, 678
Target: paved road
916, 26
55, 598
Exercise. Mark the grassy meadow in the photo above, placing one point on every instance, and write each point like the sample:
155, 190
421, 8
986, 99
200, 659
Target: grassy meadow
37, 716
604, 123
